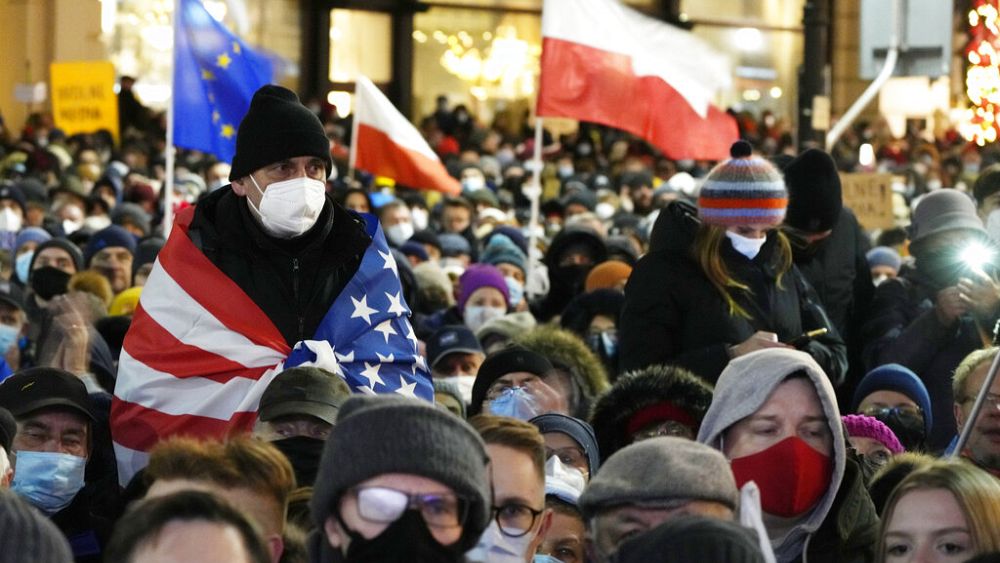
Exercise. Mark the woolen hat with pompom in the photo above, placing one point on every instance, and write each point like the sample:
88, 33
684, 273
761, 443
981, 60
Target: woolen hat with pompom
744, 190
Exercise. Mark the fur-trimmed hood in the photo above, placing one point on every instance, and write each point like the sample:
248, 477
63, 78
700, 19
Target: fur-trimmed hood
636, 390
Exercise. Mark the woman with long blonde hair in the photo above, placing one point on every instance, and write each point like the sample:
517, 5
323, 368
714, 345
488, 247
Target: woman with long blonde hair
946, 512
723, 283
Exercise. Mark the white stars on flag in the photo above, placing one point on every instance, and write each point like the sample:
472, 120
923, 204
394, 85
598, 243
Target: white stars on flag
363, 311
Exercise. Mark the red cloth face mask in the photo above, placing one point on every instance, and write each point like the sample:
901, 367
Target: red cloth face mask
791, 475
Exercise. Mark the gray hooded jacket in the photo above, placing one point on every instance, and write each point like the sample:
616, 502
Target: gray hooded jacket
743, 387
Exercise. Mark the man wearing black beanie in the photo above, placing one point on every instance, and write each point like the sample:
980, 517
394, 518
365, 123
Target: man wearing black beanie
259, 277
828, 247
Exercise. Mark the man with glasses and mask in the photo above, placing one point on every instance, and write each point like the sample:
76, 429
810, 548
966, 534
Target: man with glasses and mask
267, 273
895, 395
520, 520
53, 442
983, 447
571, 440
399, 481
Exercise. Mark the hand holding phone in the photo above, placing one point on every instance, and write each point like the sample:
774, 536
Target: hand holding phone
803, 339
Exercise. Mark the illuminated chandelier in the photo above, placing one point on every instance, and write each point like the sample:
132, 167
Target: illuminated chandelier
507, 71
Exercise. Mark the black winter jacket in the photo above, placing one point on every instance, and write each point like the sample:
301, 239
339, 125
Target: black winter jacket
673, 314
293, 281
849, 533
839, 272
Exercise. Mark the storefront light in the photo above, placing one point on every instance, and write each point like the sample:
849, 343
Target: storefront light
749, 39
343, 101
775, 92
866, 155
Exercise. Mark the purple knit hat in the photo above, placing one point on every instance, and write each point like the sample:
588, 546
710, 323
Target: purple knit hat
477, 276
863, 426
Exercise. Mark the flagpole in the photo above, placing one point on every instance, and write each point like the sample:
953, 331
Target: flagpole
535, 193
168, 195
352, 155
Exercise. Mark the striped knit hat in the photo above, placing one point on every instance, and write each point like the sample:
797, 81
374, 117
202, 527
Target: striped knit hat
743, 191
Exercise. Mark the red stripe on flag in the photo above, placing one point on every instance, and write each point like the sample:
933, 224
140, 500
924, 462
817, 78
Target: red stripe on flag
207, 285
589, 84
732, 203
154, 346
378, 154
140, 428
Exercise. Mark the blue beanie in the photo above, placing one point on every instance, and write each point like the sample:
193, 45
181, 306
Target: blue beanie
31, 234
513, 233
502, 250
110, 236
414, 248
453, 245
894, 377
884, 256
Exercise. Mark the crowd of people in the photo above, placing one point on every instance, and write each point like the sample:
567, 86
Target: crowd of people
683, 361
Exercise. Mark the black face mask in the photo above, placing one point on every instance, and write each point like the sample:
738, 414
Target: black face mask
802, 248
909, 430
570, 278
303, 452
407, 540
49, 282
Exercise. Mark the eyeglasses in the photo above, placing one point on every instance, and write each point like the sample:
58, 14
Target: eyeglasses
992, 399
500, 386
384, 505
903, 411
515, 520
665, 428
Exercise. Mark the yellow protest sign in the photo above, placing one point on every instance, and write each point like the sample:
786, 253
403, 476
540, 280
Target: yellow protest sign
869, 196
83, 97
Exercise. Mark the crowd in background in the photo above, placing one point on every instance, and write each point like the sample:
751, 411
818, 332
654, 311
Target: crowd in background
695, 361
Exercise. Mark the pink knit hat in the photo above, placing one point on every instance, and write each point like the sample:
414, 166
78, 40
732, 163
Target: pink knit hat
862, 426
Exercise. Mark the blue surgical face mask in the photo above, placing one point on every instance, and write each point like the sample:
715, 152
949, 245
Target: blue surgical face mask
21, 265
48, 480
8, 335
516, 290
515, 402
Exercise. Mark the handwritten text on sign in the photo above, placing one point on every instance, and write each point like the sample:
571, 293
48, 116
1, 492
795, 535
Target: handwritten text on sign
83, 97
869, 196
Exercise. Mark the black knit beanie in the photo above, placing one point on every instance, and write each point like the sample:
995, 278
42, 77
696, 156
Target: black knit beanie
814, 193
277, 127
379, 435
27, 535
499, 364
8, 428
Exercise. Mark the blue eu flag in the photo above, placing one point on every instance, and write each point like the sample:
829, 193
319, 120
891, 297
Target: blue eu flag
215, 76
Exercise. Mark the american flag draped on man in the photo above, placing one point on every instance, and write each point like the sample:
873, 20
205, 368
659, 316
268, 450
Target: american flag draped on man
200, 350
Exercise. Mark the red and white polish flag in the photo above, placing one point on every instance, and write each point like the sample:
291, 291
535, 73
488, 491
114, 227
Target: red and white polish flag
606, 63
386, 144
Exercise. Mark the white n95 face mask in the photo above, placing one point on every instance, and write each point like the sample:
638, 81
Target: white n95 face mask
749, 247
290, 208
